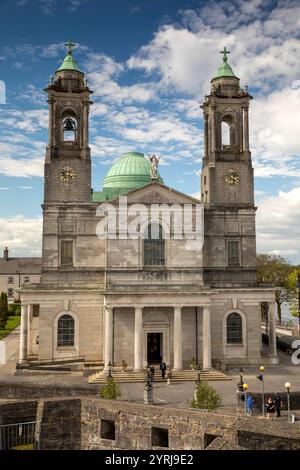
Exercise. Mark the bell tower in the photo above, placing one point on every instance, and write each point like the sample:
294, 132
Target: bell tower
68, 161
227, 189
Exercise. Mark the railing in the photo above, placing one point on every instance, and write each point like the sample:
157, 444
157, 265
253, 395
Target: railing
20, 436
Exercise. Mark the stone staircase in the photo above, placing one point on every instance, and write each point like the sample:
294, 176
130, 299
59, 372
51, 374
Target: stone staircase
177, 376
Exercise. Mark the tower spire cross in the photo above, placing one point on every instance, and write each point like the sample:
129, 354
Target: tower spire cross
69, 45
225, 52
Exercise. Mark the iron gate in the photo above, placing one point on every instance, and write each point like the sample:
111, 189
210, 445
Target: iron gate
20, 436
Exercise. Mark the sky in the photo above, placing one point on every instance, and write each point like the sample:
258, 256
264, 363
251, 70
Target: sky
150, 64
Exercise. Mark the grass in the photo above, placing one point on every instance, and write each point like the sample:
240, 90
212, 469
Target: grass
12, 323
23, 447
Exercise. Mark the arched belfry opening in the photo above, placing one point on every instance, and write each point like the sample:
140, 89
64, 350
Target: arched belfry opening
69, 126
228, 132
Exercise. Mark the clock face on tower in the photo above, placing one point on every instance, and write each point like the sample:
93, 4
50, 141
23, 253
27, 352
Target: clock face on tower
231, 176
67, 174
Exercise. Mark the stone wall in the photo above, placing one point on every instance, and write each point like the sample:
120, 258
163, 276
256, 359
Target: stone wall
26, 390
94, 424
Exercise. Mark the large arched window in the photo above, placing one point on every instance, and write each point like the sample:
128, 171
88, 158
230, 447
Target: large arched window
65, 331
154, 245
69, 129
234, 328
228, 132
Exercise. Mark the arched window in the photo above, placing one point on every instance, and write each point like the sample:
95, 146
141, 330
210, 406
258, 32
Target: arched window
69, 129
65, 331
154, 245
234, 328
228, 132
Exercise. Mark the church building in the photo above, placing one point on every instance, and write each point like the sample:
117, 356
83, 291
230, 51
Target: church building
138, 299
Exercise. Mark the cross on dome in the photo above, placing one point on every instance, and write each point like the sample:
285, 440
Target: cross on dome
225, 52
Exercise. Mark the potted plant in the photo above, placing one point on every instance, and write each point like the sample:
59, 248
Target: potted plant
124, 365
193, 364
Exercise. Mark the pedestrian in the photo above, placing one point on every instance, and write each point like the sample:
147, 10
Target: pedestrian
168, 375
163, 368
152, 372
270, 407
249, 404
278, 404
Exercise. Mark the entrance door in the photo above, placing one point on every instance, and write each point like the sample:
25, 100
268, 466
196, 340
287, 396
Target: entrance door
154, 348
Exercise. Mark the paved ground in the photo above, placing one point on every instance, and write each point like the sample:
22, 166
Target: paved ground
178, 394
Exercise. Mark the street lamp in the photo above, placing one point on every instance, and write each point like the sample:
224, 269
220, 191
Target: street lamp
109, 376
245, 388
288, 386
261, 378
239, 391
298, 291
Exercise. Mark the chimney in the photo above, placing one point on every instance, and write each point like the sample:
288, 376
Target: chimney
5, 254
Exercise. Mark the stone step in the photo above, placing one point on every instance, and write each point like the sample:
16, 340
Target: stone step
177, 376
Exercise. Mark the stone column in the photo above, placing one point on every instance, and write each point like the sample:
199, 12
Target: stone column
246, 128
50, 130
29, 327
213, 128
138, 339
23, 334
272, 329
85, 124
205, 135
206, 338
177, 339
108, 346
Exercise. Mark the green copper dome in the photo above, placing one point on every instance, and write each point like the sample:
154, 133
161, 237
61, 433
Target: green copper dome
69, 62
130, 172
224, 69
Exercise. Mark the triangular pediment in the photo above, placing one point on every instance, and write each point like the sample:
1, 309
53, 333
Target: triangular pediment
156, 193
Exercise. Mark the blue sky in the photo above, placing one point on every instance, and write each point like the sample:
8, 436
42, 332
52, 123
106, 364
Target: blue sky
150, 65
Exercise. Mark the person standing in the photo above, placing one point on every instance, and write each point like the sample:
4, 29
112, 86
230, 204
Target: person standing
249, 404
270, 407
278, 404
163, 368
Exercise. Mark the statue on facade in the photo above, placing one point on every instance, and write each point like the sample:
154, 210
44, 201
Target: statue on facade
154, 164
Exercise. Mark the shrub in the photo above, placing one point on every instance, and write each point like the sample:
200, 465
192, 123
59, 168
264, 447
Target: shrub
111, 390
206, 397
14, 309
3, 310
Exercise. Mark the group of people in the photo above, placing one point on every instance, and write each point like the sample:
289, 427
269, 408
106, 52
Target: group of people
273, 405
164, 369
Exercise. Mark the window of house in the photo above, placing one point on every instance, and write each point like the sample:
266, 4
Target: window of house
233, 247
65, 331
26, 279
67, 252
234, 326
10, 279
10, 292
154, 246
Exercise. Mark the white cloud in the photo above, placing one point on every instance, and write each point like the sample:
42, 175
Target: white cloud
22, 235
278, 230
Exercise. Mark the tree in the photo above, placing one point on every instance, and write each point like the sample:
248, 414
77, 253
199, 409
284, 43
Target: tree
3, 310
111, 390
275, 270
294, 302
206, 397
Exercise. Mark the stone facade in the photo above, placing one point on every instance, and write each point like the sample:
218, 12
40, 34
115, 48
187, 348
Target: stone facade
120, 308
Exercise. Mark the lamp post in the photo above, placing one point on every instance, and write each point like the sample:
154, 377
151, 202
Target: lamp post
239, 391
261, 378
245, 387
298, 291
288, 386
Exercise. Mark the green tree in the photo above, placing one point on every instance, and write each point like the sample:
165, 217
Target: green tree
294, 302
111, 390
275, 270
3, 310
206, 397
